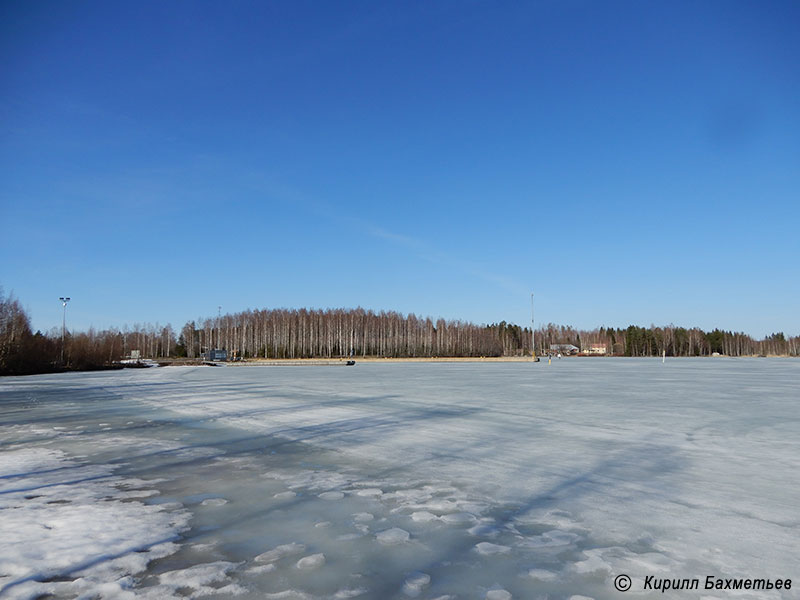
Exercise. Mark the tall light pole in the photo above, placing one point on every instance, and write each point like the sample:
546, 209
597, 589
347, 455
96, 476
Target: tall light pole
533, 331
63, 327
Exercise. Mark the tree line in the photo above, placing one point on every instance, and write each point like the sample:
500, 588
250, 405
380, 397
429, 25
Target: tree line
674, 341
23, 352
328, 333
332, 333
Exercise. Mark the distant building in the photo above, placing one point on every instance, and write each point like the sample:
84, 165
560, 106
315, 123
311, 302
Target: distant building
595, 349
564, 348
215, 355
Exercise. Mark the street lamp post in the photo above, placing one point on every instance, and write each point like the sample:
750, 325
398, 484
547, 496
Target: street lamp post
533, 331
63, 327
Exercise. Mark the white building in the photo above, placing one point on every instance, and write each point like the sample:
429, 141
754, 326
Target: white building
595, 349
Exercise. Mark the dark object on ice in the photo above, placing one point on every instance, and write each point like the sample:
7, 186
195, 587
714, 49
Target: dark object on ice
139, 364
215, 355
349, 363
564, 349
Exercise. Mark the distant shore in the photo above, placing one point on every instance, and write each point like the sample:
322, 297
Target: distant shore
376, 359
341, 362
277, 362
287, 362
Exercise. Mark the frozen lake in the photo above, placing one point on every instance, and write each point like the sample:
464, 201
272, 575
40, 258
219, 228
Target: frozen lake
465, 480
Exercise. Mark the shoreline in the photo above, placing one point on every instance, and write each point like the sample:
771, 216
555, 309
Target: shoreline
289, 362
376, 359
341, 362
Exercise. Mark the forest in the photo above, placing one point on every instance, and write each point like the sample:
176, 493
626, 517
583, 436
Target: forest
333, 333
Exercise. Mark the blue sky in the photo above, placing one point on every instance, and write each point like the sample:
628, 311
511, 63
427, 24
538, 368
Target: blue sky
629, 162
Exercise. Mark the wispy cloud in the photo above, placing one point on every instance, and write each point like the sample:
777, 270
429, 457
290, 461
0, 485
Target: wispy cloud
396, 238
419, 248
428, 252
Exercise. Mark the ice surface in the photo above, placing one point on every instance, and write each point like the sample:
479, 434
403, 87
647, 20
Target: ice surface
60, 516
311, 562
487, 548
395, 535
363, 517
214, 502
461, 518
332, 495
423, 516
281, 552
542, 575
428, 480
199, 579
415, 583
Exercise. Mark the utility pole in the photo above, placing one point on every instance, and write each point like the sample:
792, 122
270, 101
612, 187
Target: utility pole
219, 317
63, 327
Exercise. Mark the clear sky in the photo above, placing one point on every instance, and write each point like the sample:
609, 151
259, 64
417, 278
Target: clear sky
629, 162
